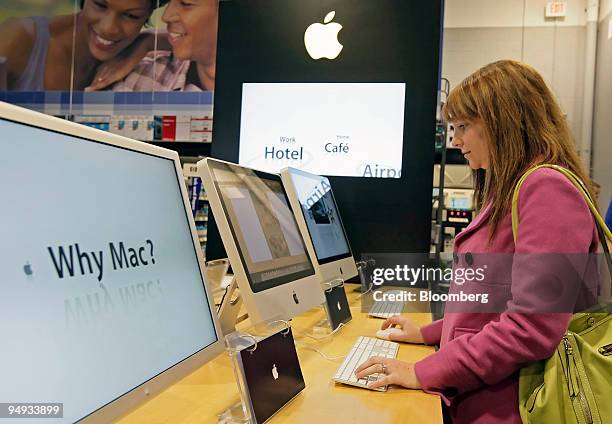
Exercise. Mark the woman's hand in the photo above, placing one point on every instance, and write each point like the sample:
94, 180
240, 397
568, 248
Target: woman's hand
112, 71
120, 66
397, 372
411, 333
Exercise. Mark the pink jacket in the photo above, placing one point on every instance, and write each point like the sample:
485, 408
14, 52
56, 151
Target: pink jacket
475, 371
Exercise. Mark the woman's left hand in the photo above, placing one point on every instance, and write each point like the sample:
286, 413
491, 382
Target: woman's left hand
397, 372
119, 67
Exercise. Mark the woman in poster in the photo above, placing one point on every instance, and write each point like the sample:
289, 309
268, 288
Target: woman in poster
64, 52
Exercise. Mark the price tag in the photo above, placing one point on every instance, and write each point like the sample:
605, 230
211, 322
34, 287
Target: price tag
190, 169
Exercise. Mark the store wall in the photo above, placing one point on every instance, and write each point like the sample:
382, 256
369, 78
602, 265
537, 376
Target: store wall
477, 32
602, 120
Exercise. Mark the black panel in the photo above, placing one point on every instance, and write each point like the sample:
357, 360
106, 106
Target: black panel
384, 41
268, 391
184, 148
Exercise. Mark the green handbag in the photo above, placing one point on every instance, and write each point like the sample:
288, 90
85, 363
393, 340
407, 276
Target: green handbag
575, 384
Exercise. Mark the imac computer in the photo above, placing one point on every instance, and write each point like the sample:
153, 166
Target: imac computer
320, 223
267, 253
103, 296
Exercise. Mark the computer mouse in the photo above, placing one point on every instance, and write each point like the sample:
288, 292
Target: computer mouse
384, 334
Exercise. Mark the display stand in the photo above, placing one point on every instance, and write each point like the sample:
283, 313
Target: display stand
325, 327
361, 269
248, 340
216, 272
238, 413
229, 309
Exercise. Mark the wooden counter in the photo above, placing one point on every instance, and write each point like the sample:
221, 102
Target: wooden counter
201, 396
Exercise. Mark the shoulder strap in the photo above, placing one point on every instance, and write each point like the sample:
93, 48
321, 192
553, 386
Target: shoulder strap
602, 228
576, 182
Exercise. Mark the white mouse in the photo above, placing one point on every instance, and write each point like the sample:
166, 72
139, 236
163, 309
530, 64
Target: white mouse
384, 334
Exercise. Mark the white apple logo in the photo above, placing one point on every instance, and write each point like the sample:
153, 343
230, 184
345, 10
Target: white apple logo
321, 40
338, 305
274, 372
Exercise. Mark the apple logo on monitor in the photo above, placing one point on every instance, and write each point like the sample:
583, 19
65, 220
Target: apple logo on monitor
274, 372
27, 269
321, 40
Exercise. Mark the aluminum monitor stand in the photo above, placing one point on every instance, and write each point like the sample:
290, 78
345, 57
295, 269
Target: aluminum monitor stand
229, 309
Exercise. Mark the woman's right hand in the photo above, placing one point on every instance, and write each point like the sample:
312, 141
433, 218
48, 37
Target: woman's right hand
410, 332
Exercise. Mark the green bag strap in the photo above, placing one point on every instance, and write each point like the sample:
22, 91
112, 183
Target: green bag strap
602, 227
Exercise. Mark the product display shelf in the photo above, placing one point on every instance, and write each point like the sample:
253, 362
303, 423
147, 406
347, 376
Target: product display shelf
198, 199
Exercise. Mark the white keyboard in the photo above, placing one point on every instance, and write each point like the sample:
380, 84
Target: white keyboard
364, 348
386, 309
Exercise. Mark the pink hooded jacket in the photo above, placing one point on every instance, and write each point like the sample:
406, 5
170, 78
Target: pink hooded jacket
475, 371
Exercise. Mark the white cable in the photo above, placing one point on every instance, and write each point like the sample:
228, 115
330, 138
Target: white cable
328, 358
367, 291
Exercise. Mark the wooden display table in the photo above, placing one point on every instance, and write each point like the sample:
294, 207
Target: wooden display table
201, 396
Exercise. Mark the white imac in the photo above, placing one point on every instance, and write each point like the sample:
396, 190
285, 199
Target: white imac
103, 296
320, 224
270, 261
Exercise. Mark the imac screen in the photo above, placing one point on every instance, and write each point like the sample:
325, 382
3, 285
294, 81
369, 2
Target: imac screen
262, 224
321, 216
100, 285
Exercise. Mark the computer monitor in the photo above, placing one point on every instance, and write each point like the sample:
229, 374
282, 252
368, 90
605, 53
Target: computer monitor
103, 296
268, 255
320, 224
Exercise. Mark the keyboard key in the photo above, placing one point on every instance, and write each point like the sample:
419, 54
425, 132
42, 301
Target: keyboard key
364, 348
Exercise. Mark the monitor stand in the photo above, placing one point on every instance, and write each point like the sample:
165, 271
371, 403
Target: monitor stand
361, 269
229, 309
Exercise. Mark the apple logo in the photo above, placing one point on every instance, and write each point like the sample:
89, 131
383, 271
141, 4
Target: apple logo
339, 307
274, 372
295, 298
27, 269
321, 40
